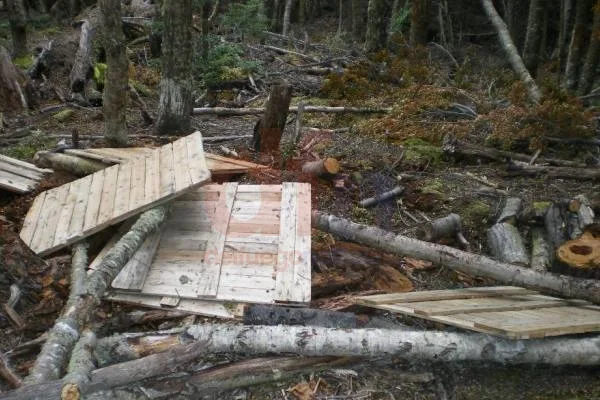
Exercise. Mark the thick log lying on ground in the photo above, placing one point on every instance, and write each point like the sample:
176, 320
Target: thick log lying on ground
322, 168
514, 169
506, 244
80, 367
454, 146
230, 112
83, 68
82, 301
266, 314
581, 256
473, 264
66, 162
371, 201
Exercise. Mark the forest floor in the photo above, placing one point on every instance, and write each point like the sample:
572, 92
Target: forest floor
374, 151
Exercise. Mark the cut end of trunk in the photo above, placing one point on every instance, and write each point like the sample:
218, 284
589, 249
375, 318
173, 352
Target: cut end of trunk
582, 255
331, 165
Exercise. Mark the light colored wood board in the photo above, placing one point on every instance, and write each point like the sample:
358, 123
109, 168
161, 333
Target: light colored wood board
16, 183
167, 178
95, 199
469, 293
251, 247
235, 237
178, 278
302, 249
152, 182
168, 301
123, 229
104, 155
66, 212
109, 190
241, 163
184, 207
201, 307
198, 170
138, 183
184, 240
134, 273
201, 195
189, 225
32, 218
259, 189
123, 190
250, 270
115, 199
242, 259
181, 167
245, 295
193, 256
79, 211
23, 164
259, 196
21, 171
216, 243
266, 227
246, 281
50, 223
287, 237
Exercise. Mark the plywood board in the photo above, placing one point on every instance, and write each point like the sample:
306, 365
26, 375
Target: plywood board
224, 243
218, 165
68, 213
506, 311
19, 176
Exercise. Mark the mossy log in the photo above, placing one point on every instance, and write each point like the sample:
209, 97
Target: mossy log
65, 162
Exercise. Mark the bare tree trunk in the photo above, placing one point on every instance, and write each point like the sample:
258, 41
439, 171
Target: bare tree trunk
419, 22
287, 12
579, 37
268, 130
117, 80
511, 51
83, 68
18, 27
175, 105
592, 58
517, 25
357, 19
12, 96
566, 8
377, 20
533, 38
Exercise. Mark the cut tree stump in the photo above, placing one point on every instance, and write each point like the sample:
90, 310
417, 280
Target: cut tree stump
506, 244
324, 168
268, 130
581, 256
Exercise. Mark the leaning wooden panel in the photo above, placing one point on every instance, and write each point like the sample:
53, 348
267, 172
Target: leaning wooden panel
49, 226
506, 311
19, 176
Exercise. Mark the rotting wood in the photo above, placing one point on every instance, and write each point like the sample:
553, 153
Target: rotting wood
66, 162
229, 112
390, 194
506, 244
469, 263
511, 210
540, 250
523, 169
324, 168
83, 68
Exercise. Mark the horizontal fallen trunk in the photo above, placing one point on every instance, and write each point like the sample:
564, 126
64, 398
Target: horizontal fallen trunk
229, 112
371, 201
473, 264
514, 169
65, 162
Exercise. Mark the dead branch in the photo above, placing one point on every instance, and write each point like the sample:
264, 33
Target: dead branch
371, 201
8, 374
290, 52
516, 169
9, 307
229, 112
469, 263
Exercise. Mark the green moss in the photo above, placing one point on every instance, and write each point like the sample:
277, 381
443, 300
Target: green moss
99, 75
64, 115
476, 212
23, 62
29, 146
361, 215
418, 152
434, 186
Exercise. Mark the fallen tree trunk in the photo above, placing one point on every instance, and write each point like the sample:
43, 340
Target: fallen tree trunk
65, 162
229, 112
514, 169
371, 201
473, 264
322, 168
83, 68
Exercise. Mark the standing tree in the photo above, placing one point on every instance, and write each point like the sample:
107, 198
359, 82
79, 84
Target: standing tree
18, 27
378, 14
533, 38
579, 38
593, 55
566, 11
175, 105
419, 21
117, 79
287, 12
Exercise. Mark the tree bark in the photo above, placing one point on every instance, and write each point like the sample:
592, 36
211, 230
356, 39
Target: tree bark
579, 37
592, 57
511, 210
76, 165
80, 367
268, 130
419, 22
581, 205
12, 96
287, 12
506, 244
83, 68
540, 251
377, 20
469, 263
533, 38
326, 167
566, 8
448, 227
114, 103
175, 104
390, 194
17, 17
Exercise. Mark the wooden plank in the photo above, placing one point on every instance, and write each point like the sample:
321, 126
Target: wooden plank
265, 248
245, 294
259, 189
269, 226
79, 211
109, 190
166, 178
198, 169
138, 183
241, 163
95, 199
48, 230
16, 183
31, 174
287, 237
32, 218
152, 181
123, 190
123, 229
134, 273
184, 240
181, 165
216, 243
469, 293
23, 164
302, 249
178, 277
259, 196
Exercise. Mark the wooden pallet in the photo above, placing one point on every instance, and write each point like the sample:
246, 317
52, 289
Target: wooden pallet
68, 213
20, 176
218, 165
241, 243
507, 311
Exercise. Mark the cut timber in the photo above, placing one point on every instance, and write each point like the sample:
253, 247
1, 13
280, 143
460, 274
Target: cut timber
239, 243
19, 176
469, 263
232, 112
518, 169
582, 255
322, 168
448, 227
390, 194
506, 244
68, 213
581, 205
501, 311
511, 210
268, 130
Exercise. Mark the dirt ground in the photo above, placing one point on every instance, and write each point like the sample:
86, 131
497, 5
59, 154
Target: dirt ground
372, 159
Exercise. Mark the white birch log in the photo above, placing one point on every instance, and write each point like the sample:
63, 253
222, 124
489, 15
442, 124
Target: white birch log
506, 244
469, 263
80, 367
228, 112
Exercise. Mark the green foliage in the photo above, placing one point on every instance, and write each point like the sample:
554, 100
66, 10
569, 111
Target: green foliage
246, 19
99, 75
418, 152
64, 115
361, 215
23, 62
29, 146
224, 63
401, 21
